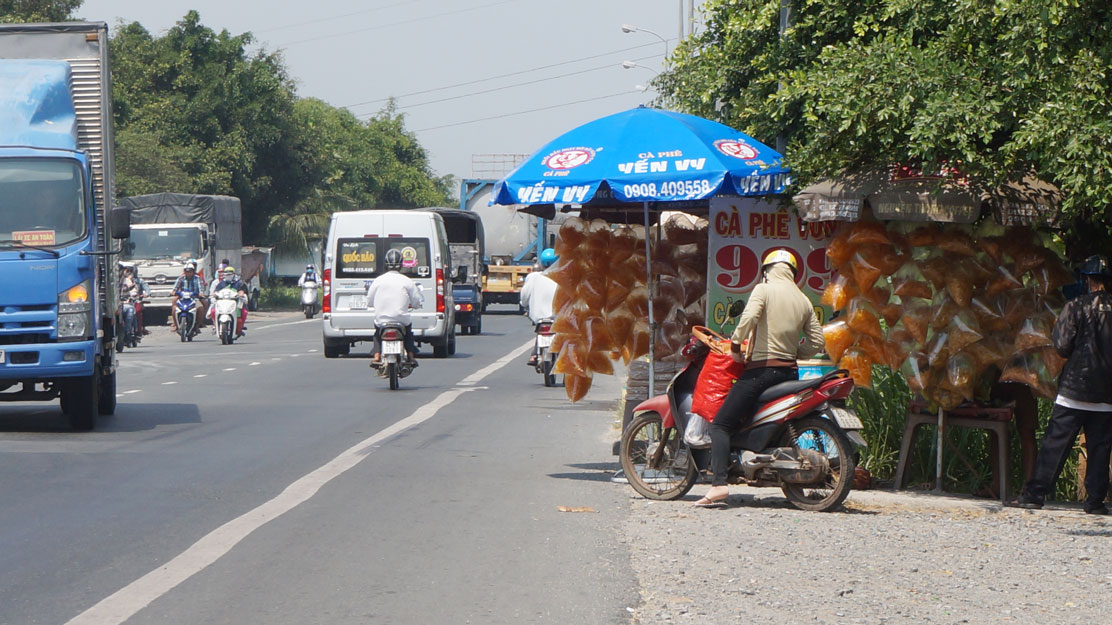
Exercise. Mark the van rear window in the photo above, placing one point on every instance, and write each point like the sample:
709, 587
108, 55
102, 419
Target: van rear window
362, 258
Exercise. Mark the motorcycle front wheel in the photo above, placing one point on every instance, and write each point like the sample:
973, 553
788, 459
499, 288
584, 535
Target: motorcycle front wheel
653, 460
820, 435
183, 329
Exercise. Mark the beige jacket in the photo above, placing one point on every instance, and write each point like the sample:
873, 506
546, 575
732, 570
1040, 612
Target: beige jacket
781, 313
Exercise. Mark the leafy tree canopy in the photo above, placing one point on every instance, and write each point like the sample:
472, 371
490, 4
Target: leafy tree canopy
998, 89
199, 111
12, 11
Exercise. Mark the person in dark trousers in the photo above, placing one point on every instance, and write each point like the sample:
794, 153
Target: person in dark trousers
1082, 335
777, 314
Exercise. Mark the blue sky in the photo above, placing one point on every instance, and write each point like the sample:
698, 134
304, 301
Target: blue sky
471, 76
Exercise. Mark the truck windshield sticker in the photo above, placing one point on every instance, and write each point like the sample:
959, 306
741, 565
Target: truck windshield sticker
163, 233
34, 237
423, 271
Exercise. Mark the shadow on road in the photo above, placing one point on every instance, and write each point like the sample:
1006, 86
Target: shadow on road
589, 472
128, 418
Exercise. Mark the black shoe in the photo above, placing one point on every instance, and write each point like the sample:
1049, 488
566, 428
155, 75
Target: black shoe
1026, 501
1101, 510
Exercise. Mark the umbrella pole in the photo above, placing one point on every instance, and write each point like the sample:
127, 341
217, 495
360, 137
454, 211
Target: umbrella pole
652, 324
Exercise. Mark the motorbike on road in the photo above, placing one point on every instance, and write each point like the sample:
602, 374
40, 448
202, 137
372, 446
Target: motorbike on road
228, 306
309, 304
129, 314
802, 440
393, 364
186, 312
546, 359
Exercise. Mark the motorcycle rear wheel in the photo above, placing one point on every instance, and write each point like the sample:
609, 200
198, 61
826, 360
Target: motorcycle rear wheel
392, 372
670, 478
821, 435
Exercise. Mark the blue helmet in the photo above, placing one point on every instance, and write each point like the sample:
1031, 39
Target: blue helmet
548, 256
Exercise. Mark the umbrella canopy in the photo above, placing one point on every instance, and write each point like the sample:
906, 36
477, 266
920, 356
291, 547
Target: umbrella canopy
644, 155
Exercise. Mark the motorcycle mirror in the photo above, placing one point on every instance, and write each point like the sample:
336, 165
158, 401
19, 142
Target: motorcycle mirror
735, 308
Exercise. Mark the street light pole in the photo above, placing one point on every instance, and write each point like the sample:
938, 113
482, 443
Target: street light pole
630, 28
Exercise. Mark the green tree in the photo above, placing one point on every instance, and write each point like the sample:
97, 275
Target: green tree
38, 10
998, 88
196, 113
293, 230
223, 117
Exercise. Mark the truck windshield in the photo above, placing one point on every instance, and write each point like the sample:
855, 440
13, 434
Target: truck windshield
163, 243
41, 202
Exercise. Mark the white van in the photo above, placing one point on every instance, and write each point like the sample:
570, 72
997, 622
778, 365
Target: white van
357, 242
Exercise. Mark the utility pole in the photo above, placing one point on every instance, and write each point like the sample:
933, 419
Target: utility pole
785, 22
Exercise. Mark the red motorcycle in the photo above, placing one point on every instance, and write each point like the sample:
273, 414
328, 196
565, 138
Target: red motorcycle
801, 440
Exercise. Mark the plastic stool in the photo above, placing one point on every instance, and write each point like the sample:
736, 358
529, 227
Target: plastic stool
993, 425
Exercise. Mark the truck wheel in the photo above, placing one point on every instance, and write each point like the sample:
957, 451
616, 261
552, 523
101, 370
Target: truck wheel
452, 343
335, 350
440, 350
106, 403
478, 327
81, 400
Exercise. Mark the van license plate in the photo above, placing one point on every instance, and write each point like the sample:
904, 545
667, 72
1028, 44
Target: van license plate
544, 340
1, 356
391, 347
358, 302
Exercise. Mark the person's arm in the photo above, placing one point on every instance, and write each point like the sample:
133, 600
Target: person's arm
1065, 329
754, 308
813, 341
301, 280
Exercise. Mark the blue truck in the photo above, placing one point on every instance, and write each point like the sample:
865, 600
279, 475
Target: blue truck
58, 272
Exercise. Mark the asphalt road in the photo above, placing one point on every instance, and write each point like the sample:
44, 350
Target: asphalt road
263, 483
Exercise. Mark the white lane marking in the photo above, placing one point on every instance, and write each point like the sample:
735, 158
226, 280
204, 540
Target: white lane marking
254, 364
230, 369
169, 383
201, 375
276, 358
498, 364
279, 325
119, 395
129, 600
313, 351
134, 390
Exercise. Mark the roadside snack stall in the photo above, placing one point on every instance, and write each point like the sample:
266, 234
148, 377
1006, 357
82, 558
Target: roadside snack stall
933, 286
627, 290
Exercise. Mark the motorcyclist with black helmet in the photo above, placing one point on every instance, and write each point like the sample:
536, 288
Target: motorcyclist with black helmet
391, 295
1082, 335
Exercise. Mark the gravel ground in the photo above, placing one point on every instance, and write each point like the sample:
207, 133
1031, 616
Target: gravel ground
888, 558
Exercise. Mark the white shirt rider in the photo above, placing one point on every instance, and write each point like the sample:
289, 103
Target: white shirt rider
391, 295
536, 295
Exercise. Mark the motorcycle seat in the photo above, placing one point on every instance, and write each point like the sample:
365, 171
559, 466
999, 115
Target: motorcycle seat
787, 388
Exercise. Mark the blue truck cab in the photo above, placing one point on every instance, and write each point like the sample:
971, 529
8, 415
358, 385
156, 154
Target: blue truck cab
57, 271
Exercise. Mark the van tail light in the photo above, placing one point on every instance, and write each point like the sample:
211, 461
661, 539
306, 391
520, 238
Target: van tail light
326, 307
439, 290
391, 334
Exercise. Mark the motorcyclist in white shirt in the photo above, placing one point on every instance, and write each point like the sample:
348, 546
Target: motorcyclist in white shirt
537, 293
392, 295
310, 275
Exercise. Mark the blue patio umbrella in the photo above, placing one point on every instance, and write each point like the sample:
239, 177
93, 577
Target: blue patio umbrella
644, 155
640, 156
